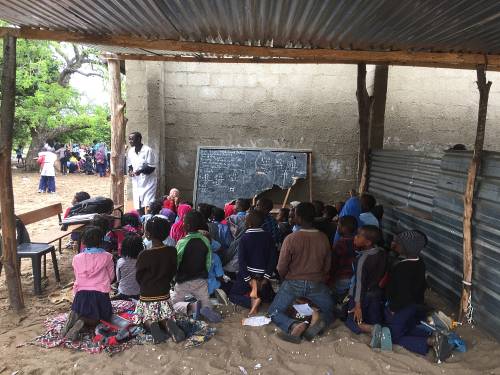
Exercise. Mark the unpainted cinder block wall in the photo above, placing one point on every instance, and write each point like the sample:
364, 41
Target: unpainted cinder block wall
180, 106
430, 109
248, 105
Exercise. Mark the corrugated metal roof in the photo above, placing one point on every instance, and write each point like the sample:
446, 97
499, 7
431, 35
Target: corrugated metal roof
443, 255
382, 25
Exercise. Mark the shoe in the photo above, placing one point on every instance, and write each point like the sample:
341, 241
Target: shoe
221, 297
159, 335
386, 340
40, 191
442, 348
211, 315
72, 318
177, 334
74, 331
312, 331
376, 341
197, 308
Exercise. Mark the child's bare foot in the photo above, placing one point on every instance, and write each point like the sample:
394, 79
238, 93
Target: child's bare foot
298, 329
254, 306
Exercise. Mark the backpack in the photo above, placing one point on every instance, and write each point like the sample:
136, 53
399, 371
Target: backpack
96, 205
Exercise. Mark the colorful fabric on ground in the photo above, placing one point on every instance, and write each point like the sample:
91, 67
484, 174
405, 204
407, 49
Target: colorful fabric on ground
197, 332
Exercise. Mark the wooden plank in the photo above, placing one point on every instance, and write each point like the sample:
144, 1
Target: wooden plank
7, 108
434, 59
484, 90
40, 214
118, 121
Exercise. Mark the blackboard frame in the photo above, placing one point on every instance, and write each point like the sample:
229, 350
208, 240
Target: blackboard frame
305, 151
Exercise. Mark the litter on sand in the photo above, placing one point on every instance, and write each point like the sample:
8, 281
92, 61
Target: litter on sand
256, 321
303, 309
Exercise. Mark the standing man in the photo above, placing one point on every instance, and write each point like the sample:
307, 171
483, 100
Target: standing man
141, 161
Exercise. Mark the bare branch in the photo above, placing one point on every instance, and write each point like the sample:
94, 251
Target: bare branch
90, 74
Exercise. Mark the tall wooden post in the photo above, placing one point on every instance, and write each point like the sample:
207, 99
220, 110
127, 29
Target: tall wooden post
484, 90
118, 121
7, 109
377, 118
364, 108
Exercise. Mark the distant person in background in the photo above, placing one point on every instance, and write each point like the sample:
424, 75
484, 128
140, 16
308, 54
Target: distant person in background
46, 159
141, 162
100, 159
368, 203
19, 155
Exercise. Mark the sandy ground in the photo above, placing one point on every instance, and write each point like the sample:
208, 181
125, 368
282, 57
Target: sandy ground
256, 350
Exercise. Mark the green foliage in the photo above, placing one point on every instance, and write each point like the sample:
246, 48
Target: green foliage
43, 105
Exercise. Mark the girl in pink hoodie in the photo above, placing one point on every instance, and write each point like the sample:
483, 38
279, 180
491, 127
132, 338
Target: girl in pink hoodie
94, 272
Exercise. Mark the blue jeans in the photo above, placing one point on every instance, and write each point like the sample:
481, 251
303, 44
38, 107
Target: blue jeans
101, 169
405, 331
47, 183
318, 293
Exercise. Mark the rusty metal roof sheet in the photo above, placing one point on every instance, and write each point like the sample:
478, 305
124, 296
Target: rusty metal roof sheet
382, 25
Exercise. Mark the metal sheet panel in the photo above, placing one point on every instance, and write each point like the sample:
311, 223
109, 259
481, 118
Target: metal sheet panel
443, 256
384, 25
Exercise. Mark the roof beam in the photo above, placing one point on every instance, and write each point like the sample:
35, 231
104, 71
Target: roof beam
432, 59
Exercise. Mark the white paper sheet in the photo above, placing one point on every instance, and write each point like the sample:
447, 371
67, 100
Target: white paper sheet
256, 321
303, 309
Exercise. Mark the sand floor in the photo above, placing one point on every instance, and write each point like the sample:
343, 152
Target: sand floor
256, 350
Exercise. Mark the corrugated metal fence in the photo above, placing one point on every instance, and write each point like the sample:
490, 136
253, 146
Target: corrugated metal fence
422, 191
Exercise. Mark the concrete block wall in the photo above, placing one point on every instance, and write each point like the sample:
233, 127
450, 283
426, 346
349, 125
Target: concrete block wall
250, 105
432, 109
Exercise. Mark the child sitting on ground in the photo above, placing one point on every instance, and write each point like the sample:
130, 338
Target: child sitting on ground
283, 225
368, 203
193, 264
270, 225
365, 296
343, 257
156, 268
94, 272
78, 197
218, 230
128, 288
257, 261
216, 273
405, 297
154, 209
172, 200
236, 222
130, 223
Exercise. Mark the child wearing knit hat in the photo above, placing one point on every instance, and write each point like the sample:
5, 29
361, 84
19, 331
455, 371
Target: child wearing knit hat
405, 294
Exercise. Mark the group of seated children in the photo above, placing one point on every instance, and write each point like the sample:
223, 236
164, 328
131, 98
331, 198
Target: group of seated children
174, 258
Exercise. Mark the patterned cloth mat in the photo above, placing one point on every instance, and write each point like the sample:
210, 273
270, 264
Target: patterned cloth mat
197, 332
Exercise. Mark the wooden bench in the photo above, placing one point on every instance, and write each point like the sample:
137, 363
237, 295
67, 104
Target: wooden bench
45, 213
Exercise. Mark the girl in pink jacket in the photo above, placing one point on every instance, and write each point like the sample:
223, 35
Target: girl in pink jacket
94, 272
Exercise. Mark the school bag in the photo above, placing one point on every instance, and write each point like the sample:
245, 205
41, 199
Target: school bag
96, 205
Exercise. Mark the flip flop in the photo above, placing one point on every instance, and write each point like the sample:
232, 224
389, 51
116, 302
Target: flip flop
159, 335
289, 338
312, 331
221, 297
376, 341
177, 334
386, 340
211, 315
442, 348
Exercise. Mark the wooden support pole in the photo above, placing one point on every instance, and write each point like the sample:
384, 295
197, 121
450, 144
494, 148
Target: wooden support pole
484, 90
377, 118
310, 165
118, 122
7, 109
364, 108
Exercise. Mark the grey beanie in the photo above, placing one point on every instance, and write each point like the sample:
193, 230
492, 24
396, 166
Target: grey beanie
412, 242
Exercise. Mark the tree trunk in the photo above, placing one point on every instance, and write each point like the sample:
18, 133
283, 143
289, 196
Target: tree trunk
118, 121
7, 109
364, 108
37, 142
484, 89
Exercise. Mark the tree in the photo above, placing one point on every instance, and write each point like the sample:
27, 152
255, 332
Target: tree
47, 108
